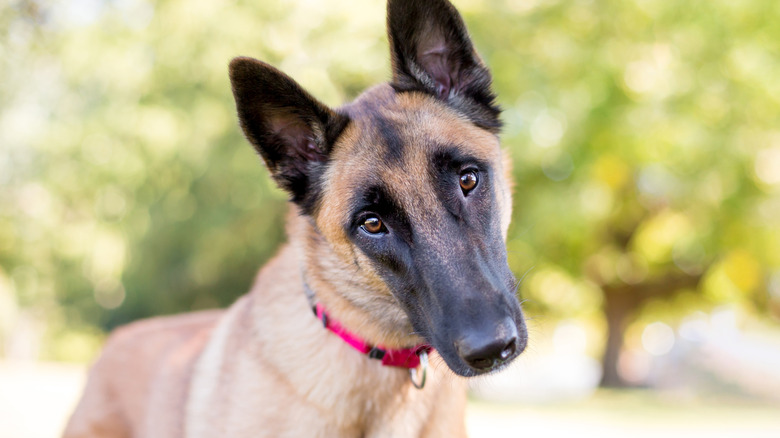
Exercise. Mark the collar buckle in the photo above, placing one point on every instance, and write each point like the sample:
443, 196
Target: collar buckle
376, 353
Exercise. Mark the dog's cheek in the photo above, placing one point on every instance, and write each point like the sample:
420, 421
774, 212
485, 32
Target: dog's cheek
407, 292
329, 221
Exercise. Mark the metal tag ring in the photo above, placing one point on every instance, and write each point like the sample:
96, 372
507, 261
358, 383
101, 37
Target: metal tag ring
423, 374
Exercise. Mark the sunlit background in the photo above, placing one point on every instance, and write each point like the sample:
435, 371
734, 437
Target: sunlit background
646, 143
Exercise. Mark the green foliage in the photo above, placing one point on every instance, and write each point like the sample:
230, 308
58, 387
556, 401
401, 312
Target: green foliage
647, 144
644, 136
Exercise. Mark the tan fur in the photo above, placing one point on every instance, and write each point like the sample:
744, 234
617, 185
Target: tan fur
144, 364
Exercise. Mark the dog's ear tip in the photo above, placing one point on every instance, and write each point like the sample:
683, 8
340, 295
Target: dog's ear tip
245, 67
406, 6
239, 68
241, 62
395, 3
399, 10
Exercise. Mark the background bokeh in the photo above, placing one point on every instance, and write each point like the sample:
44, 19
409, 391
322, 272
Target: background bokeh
645, 136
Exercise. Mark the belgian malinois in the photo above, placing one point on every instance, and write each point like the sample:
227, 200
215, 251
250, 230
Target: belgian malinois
400, 204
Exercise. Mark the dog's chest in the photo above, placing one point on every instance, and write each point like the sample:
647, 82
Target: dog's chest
272, 390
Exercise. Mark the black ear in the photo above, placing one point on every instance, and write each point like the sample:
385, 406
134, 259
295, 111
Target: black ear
431, 51
292, 131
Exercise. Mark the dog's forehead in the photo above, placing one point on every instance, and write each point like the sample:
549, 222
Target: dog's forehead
392, 141
401, 132
391, 125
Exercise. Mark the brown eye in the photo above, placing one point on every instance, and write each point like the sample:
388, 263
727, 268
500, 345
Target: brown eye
373, 225
468, 180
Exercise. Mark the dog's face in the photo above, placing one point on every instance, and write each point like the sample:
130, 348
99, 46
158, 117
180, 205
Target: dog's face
406, 185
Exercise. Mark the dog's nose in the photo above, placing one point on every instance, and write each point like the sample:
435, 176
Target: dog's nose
487, 352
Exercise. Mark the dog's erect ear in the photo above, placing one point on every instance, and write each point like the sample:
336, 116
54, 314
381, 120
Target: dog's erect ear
292, 131
431, 51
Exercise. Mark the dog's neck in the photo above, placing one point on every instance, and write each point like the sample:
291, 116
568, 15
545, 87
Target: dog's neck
402, 358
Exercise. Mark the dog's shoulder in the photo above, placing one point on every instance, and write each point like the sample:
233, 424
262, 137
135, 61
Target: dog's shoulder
149, 337
138, 357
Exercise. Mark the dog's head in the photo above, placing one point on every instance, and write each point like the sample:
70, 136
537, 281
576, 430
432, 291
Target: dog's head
406, 189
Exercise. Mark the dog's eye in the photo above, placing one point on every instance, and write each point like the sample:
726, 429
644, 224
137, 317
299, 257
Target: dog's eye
468, 180
373, 225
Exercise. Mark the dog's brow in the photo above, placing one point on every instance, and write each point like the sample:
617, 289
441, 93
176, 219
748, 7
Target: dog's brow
394, 145
452, 156
374, 197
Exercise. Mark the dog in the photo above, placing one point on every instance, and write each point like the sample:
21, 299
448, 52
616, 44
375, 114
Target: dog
400, 205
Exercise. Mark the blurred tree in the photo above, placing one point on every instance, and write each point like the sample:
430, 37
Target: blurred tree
644, 135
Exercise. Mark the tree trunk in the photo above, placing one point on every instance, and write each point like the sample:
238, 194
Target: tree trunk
617, 315
621, 304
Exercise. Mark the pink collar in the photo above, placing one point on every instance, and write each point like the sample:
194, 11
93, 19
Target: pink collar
403, 358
